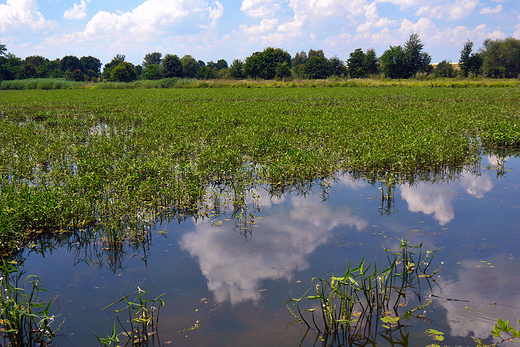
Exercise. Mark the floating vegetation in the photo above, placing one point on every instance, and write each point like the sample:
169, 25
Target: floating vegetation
121, 161
353, 308
25, 320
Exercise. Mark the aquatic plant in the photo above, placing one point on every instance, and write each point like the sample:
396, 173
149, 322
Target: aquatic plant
142, 324
351, 307
24, 318
501, 329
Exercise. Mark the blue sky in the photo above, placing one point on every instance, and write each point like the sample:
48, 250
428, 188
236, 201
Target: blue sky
230, 30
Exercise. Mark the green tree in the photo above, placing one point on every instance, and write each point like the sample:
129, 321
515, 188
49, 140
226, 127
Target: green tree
501, 58
107, 69
27, 71
393, 63
70, 62
75, 75
190, 67
90, 63
171, 66
317, 67
444, 69
283, 70
123, 72
298, 62
236, 70
3, 50
416, 60
371, 62
152, 72
206, 73
154, 58
338, 66
356, 64
263, 64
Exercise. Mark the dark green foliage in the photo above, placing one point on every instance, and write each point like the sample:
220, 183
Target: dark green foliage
298, 62
154, 58
70, 62
445, 69
416, 60
107, 69
171, 66
356, 64
190, 67
90, 63
393, 63
470, 63
236, 70
152, 72
371, 62
317, 67
263, 64
27, 71
123, 72
76, 75
501, 58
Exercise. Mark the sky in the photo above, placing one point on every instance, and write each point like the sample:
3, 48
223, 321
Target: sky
230, 30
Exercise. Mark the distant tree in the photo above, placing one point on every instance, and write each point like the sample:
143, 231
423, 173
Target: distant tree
416, 60
315, 53
282, 70
123, 72
9, 66
152, 72
171, 66
263, 64
221, 64
298, 62
107, 69
371, 62
501, 58
75, 75
3, 50
444, 69
45, 69
236, 70
90, 63
201, 63
393, 63
469, 62
338, 66
206, 73
190, 66
27, 71
152, 59
36, 60
70, 62
317, 67
356, 64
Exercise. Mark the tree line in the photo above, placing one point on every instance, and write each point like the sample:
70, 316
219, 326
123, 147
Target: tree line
496, 59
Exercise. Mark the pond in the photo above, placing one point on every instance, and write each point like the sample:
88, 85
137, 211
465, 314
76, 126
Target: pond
229, 274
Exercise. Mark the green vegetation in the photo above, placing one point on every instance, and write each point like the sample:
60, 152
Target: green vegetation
350, 306
24, 318
121, 160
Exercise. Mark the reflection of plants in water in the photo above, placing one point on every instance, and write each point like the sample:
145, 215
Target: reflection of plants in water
350, 307
24, 317
502, 328
142, 323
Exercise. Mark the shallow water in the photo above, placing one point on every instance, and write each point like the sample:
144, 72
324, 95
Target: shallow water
232, 273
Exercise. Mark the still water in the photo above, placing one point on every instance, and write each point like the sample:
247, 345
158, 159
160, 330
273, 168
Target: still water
233, 271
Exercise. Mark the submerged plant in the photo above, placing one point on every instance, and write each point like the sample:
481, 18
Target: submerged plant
143, 320
24, 317
350, 306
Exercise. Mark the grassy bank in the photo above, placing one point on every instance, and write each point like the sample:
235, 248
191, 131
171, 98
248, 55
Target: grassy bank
122, 159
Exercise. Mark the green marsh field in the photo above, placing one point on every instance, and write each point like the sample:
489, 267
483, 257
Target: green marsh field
117, 163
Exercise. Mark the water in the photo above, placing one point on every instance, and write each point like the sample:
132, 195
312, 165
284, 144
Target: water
232, 274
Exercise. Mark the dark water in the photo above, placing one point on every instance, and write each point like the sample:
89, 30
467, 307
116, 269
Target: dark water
232, 274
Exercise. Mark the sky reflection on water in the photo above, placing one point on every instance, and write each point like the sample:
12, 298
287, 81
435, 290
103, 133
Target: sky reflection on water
235, 281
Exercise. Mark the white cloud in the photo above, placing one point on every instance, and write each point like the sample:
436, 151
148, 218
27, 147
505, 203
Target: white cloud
477, 185
373, 19
16, 13
287, 240
489, 10
266, 25
260, 8
459, 9
214, 14
431, 199
77, 12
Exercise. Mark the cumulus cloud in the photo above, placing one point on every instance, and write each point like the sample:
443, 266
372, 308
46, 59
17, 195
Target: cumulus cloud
16, 13
214, 14
431, 199
373, 19
235, 268
77, 12
260, 8
457, 10
477, 185
266, 25
489, 10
